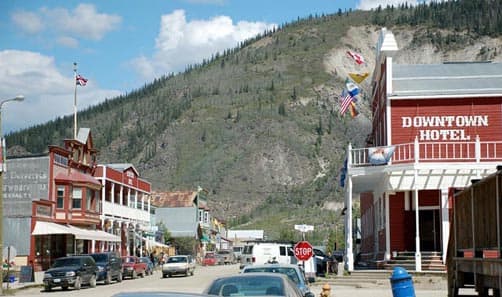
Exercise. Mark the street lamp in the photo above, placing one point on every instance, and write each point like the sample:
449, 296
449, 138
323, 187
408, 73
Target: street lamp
4, 153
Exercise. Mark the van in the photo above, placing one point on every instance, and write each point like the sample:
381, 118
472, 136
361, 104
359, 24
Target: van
267, 252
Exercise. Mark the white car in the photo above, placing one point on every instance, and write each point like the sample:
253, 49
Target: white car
180, 264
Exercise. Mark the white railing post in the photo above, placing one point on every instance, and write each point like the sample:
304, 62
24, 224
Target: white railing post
478, 149
416, 150
349, 155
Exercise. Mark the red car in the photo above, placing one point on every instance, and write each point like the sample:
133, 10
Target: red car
132, 267
209, 259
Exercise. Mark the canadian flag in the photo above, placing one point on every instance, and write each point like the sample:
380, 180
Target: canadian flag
357, 57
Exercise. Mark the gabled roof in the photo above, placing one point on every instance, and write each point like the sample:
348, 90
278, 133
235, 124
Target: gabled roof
122, 167
174, 199
449, 79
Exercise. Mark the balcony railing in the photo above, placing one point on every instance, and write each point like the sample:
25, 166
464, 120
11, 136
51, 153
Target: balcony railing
468, 151
114, 209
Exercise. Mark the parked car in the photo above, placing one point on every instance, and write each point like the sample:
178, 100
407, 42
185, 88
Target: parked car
181, 264
227, 256
109, 266
132, 267
255, 284
293, 271
209, 259
149, 265
73, 271
324, 263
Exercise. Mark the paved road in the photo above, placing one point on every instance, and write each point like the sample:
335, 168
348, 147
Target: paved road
204, 275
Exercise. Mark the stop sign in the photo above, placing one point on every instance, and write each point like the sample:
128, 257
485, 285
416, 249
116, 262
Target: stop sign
303, 251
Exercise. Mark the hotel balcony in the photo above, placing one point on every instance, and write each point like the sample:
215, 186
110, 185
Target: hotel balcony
438, 164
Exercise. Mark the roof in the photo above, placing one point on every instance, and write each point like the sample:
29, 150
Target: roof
174, 199
78, 177
449, 79
122, 167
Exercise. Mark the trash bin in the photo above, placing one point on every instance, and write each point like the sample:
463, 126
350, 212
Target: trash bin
401, 282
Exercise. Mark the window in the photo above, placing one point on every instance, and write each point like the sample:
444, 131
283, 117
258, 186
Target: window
88, 199
60, 197
77, 198
62, 160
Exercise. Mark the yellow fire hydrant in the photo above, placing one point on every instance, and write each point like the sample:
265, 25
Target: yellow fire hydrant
326, 290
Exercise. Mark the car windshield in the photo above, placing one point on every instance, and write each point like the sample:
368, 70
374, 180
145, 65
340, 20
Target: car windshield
129, 260
247, 286
290, 272
66, 262
176, 259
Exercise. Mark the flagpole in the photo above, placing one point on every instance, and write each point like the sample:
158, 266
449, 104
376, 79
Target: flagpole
75, 101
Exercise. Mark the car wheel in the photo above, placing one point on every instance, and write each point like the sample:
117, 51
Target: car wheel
47, 288
64, 288
143, 274
193, 271
120, 277
92, 282
164, 275
78, 283
108, 278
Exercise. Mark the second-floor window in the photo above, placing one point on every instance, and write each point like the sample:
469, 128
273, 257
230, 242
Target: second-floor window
76, 198
88, 199
60, 197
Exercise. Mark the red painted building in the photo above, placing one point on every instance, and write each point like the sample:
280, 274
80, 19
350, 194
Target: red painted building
437, 127
67, 221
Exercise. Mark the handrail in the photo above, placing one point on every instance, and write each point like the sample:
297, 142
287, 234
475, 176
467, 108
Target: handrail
449, 151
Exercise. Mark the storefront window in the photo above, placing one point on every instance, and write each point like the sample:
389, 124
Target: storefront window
77, 198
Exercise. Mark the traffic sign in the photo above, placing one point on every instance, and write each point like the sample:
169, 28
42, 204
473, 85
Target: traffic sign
303, 251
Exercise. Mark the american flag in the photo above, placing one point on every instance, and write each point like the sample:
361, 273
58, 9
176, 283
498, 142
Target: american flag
81, 81
345, 100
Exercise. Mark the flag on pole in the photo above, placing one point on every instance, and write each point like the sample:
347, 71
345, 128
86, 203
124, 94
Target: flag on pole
357, 57
353, 111
81, 81
345, 100
352, 88
359, 77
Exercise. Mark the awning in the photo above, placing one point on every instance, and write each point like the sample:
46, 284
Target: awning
77, 177
46, 228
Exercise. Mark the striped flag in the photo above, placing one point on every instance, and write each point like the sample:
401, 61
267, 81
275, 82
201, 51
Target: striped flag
345, 100
81, 81
357, 57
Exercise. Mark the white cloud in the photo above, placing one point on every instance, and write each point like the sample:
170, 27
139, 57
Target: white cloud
67, 41
371, 4
28, 22
181, 43
83, 22
48, 93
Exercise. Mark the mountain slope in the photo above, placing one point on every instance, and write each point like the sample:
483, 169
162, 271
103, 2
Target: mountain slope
258, 125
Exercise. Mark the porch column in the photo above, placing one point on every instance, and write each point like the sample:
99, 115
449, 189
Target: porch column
387, 227
112, 198
445, 223
418, 257
348, 226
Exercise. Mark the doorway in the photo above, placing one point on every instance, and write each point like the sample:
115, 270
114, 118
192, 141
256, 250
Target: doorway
430, 230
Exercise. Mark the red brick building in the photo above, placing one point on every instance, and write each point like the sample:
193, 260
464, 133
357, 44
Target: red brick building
439, 127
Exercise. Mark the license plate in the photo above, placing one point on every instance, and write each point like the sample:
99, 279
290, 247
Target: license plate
57, 280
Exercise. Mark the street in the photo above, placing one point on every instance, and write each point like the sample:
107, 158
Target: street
204, 275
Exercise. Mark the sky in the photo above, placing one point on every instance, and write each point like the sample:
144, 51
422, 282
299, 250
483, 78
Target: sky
120, 46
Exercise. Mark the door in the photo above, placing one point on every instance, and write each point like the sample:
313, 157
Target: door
430, 231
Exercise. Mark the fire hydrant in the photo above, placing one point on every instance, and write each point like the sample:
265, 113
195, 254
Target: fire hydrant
326, 291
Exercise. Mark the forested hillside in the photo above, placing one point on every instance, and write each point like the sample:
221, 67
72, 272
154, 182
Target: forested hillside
259, 125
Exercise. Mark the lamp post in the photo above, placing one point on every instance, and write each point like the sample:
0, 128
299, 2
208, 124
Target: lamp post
4, 152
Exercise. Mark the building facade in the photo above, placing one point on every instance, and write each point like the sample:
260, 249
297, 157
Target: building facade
435, 128
125, 207
55, 207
